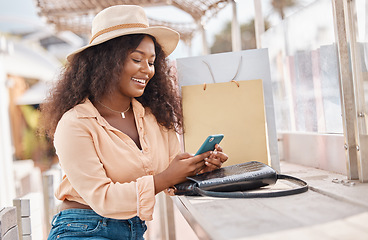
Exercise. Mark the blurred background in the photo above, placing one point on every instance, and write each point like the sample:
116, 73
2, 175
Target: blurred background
35, 39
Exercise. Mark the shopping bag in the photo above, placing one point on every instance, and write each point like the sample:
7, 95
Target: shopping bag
241, 66
235, 109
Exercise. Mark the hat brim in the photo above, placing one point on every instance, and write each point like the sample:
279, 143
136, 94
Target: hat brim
166, 37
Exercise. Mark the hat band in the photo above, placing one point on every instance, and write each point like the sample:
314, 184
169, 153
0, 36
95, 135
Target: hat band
120, 26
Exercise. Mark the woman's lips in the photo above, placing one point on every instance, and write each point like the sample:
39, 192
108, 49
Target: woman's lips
141, 81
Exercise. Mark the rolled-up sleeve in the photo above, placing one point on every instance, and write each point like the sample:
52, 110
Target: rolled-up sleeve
87, 175
145, 197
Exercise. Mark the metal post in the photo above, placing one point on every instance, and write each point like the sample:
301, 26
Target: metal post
259, 25
364, 138
48, 199
167, 221
348, 107
189, 47
205, 49
362, 144
235, 29
7, 185
366, 20
170, 218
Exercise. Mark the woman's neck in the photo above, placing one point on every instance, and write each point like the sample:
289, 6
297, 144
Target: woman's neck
118, 104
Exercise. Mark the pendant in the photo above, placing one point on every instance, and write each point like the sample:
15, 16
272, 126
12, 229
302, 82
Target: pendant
122, 115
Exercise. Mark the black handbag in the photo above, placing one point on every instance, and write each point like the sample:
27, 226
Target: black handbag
234, 182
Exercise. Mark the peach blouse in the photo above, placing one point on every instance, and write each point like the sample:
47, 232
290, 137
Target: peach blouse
104, 168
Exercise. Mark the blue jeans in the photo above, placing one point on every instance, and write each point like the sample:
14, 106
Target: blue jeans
87, 224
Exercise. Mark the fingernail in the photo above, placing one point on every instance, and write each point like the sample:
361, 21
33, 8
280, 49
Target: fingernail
206, 163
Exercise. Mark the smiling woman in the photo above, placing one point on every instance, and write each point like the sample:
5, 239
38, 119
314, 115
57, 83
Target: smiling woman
138, 69
114, 115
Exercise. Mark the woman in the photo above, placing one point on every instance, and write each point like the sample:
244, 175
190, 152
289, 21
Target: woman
114, 116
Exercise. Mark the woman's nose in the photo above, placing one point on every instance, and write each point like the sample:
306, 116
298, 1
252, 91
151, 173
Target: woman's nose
145, 67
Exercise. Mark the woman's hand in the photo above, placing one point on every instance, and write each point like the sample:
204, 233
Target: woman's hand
183, 165
215, 160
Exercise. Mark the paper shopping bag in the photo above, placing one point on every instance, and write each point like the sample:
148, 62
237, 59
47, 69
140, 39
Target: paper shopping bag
235, 109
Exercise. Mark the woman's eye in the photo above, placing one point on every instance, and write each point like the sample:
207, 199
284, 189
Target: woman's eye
139, 61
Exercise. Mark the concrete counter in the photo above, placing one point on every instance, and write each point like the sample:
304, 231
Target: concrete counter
333, 208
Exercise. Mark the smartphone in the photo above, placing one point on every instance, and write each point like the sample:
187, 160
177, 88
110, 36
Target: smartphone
209, 143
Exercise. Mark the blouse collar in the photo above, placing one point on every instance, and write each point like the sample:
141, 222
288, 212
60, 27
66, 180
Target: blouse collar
88, 110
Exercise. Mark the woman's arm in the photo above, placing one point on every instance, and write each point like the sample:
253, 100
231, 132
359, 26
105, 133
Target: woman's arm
183, 165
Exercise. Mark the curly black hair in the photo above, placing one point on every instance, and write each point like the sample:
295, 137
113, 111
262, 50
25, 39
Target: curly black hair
95, 72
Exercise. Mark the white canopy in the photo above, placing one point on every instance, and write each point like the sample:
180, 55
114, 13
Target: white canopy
35, 94
27, 62
31, 62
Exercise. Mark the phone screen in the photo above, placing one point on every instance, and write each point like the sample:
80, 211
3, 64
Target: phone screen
209, 143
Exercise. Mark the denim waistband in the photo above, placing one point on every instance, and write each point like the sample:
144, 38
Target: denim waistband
87, 213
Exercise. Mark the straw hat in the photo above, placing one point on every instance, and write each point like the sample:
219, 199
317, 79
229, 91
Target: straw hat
122, 20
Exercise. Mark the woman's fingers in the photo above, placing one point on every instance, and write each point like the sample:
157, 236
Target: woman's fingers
202, 156
218, 148
198, 162
204, 162
213, 161
220, 154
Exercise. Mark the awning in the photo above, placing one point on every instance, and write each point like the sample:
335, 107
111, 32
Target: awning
26, 62
35, 94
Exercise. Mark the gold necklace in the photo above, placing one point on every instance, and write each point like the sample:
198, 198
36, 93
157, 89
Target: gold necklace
122, 113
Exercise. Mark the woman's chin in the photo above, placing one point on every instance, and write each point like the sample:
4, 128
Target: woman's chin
138, 94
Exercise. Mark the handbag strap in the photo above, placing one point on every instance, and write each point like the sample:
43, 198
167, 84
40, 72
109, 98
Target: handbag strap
303, 187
